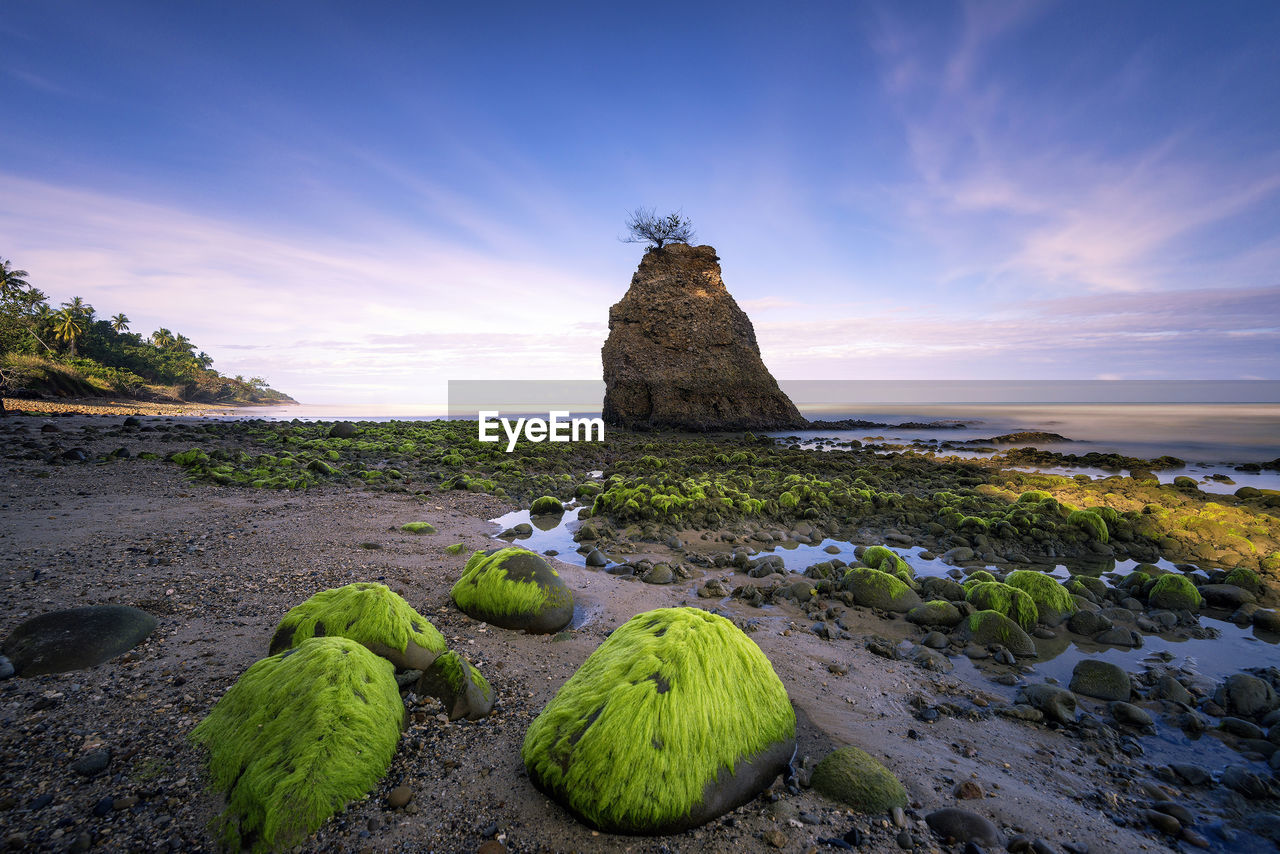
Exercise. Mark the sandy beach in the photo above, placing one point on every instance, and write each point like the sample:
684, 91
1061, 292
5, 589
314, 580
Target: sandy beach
220, 566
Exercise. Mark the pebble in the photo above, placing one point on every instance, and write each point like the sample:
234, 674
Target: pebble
905, 842
93, 762
963, 826
399, 797
899, 817
103, 807
1128, 713
968, 790
1163, 822
124, 803
493, 846
775, 838
6, 667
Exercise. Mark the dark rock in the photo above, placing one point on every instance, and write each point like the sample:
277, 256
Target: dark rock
963, 826
92, 763
1226, 595
399, 797
1267, 620
1119, 636
1100, 679
1245, 695
1163, 822
6, 667
453, 681
1129, 714
1241, 728
76, 638
1088, 623
1246, 782
342, 430
596, 558
1057, 703
681, 354
1169, 688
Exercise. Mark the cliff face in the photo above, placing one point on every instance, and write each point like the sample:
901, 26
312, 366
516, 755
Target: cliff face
682, 355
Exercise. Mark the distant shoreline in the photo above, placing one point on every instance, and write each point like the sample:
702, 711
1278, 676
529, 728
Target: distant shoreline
124, 406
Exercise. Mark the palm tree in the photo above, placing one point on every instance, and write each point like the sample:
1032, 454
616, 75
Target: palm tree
204, 360
68, 326
81, 308
182, 344
120, 323
12, 281
162, 338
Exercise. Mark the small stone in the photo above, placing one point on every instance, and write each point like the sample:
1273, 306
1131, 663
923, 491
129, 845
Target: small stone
493, 846
596, 558
1163, 822
898, 816
905, 842
103, 807
963, 826
1130, 715
399, 797
124, 803
968, 790
6, 667
93, 762
775, 838
1192, 838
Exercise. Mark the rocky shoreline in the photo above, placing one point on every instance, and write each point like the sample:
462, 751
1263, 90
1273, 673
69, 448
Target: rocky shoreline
100, 759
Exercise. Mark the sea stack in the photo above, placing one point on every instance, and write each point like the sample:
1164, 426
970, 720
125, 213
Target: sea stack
681, 354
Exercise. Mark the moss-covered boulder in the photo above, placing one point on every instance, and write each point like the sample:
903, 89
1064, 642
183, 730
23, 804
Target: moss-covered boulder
456, 683
935, 613
76, 638
418, 528
547, 505
887, 560
1100, 679
979, 576
516, 589
1010, 601
854, 778
988, 627
298, 737
1245, 578
675, 719
1174, 592
1053, 601
367, 613
872, 588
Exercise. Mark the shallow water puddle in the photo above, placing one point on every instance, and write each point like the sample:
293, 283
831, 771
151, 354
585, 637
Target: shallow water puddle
553, 533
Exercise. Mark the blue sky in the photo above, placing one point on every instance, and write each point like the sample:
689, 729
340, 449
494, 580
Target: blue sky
362, 201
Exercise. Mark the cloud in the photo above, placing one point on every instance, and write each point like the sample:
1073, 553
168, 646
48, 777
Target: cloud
318, 315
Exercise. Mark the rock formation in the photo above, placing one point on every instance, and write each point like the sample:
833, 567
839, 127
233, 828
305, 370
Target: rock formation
682, 355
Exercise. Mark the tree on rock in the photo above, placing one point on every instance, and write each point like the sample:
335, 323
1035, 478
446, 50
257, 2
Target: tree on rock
645, 226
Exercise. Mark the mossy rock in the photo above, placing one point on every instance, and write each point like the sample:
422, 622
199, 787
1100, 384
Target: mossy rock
76, 638
935, 613
872, 588
298, 737
1096, 587
547, 505
1091, 523
988, 627
455, 549
676, 718
514, 588
1053, 601
367, 613
978, 576
1009, 601
418, 528
1246, 578
853, 777
1174, 592
1100, 679
939, 587
887, 560
457, 684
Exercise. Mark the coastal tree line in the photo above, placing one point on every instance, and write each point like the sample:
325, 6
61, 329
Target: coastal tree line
72, 349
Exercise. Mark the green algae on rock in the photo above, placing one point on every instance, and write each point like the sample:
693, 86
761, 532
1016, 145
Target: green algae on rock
546, 505
418, 528
935, 613
514, 588
886, 560
1175, 592
853, 777
1053, 601
367, 613
988, 627
299, 736
1004, 599
872, 588
457, 684
675, 719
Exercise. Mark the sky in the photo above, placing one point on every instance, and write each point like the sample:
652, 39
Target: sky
360, 202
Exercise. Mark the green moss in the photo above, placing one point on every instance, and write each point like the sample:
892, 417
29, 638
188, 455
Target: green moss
1244, 577
666, 704
545, 505
853, 777
1034, 496
1050, 597
887, 560
484, 586
298, 737
1175, 592
418, 528
193, 457
978, 576
455, 549
1091, 523
1003, 599
1082, 584
365, 612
